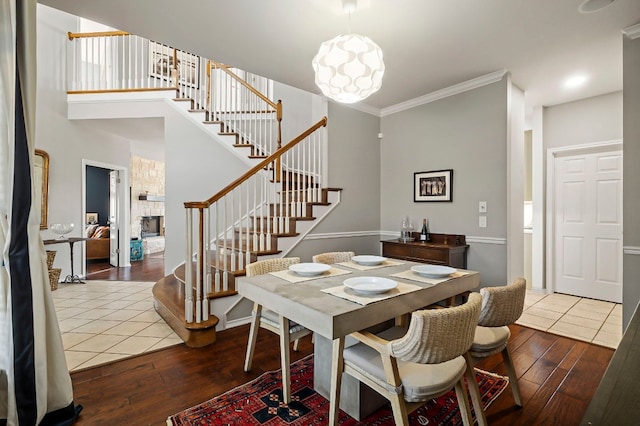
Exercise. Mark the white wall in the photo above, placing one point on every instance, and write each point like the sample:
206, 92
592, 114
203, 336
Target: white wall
67, 142
466, 132
195, 169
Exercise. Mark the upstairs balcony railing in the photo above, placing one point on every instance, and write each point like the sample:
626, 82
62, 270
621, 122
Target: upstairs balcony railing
117, 61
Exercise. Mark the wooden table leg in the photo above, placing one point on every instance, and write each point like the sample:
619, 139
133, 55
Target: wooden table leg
336, 380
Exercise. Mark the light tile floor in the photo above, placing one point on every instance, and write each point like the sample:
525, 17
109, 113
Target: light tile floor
102, 321
593, 321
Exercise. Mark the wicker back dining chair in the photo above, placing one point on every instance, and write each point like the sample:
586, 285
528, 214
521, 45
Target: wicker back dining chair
501, 306
333, 257
411, 366
267, 319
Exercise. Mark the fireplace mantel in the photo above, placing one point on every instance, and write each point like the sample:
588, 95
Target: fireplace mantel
149, 197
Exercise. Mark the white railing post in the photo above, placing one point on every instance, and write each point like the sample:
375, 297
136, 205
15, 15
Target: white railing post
188, 282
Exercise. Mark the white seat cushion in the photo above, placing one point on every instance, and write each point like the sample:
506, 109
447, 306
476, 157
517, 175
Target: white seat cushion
420, 382
273, 319
489, 340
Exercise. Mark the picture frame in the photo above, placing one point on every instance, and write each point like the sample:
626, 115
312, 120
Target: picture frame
41, 179
436, 185
161, 58
91, 218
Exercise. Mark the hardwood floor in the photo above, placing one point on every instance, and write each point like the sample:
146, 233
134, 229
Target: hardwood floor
151, 268
558, 377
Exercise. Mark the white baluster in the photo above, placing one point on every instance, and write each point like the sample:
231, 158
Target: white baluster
188, 298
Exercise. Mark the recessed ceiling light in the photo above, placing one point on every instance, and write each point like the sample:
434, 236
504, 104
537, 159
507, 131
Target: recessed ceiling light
575, 81
590, 6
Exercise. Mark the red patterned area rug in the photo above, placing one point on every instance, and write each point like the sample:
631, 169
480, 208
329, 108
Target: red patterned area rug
259, 403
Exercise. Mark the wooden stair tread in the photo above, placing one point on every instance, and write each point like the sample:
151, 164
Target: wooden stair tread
179, 272
168, 291
257, 231
241, 246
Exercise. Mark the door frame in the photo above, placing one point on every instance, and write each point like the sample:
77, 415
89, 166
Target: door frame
552, 154
123, 213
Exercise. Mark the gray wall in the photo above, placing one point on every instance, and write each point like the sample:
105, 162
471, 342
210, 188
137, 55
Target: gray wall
467, 133
631, 177
595, 119
354, 166
296, 110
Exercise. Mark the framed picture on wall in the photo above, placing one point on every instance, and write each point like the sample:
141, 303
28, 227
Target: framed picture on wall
436, 185
92, 218
161, 64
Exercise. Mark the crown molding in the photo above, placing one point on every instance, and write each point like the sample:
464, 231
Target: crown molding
445, 93
632, 32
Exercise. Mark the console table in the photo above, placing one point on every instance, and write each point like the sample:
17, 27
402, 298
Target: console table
73, 278
442, 249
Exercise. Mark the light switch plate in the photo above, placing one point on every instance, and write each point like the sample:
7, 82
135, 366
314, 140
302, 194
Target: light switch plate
482, 221
482, 207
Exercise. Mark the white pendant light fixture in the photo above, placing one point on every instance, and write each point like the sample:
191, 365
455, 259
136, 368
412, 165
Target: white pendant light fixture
349, 68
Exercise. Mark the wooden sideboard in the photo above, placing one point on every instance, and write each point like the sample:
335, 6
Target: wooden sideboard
442, 249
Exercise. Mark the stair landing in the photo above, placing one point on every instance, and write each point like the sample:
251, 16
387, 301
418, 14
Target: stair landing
168, 294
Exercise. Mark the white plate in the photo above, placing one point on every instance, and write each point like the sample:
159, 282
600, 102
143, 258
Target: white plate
433, 271
370, 285
367, 260
309, 269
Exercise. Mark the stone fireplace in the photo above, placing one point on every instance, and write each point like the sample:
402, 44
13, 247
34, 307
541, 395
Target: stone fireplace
147, 203
152, 233
151, 226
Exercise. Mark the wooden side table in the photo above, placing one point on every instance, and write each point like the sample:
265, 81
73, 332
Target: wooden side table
137, 250
442, 249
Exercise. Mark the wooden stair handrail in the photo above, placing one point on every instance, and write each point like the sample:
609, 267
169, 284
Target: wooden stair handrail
277, 106
97, 34
255, 169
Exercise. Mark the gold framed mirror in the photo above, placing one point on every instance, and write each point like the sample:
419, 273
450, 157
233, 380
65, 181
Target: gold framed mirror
41, 183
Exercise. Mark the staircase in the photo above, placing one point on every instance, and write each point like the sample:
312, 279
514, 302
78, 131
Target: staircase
264, 213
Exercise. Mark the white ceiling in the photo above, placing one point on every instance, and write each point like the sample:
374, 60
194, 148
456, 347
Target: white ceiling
428, 45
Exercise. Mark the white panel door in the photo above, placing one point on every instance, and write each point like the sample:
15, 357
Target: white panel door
588, 225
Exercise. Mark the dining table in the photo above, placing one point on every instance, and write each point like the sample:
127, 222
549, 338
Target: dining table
325, 305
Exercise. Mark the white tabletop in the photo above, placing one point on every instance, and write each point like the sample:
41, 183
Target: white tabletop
333, 317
